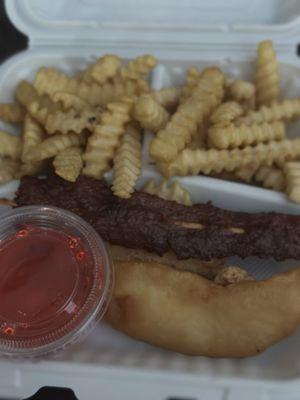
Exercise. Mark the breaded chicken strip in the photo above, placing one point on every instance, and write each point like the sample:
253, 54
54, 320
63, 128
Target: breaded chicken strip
183, 312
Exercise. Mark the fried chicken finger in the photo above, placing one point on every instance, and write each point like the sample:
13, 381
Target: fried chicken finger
184, 312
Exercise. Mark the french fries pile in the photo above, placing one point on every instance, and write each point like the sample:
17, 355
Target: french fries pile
231, 129
82, 124
94, 122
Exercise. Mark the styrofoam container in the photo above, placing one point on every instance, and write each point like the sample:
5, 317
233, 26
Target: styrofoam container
68, 34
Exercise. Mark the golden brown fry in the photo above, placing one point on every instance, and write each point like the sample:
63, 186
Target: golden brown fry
10, 145
104, 68
8, 170
167, 97
39, 106
226, 112
225, 175
33, 135
246, 173
267, 76
231, 136
168, 190
26, 93
105, 138
189, 115
242, 92
238, 320
292, 176
12, 113
199, 140
209, 269
150, 114
271, 177
55, 144
127, 162
191, 162
31, 169
286, 109
139, 67
50, 81
68, 163
192, 77
71, 121
69, 100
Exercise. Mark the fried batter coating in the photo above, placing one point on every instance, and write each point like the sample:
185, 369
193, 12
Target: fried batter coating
186, 313
209, 269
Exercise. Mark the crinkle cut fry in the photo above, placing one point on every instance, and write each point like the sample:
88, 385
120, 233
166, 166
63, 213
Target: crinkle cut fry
38, 106
242, 92
127, 162
286, 109
8, 169
10, 145
32, 136
65, 121
54, 144
192, 77
267, 77
105, 138
147, 222
168, 190
271, 177
231, 136
292, 176
139, 67
167, 97
12, 113
106, 67
150, 114
191, 162
246, 173
184, 123
68, 163
50, 80
226, 112
69, 100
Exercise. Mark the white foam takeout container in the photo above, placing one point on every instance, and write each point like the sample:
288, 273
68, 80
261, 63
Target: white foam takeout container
67, 34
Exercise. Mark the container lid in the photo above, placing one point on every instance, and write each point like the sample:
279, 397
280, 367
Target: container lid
159, 22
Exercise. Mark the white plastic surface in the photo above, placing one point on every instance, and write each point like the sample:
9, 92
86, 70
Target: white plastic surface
109, 365
112, 364
156, 22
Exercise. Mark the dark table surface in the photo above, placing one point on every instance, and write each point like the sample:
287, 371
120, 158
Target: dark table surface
11, 40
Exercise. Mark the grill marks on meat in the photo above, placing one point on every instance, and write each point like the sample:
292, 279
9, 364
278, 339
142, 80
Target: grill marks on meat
147, 222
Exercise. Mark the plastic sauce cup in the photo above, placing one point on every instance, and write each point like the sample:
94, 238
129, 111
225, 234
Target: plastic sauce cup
55, 280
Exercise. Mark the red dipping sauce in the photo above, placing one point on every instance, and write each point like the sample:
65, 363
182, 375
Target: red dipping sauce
55, 280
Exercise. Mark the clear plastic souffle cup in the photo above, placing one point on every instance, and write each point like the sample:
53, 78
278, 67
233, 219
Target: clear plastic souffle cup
56, 280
